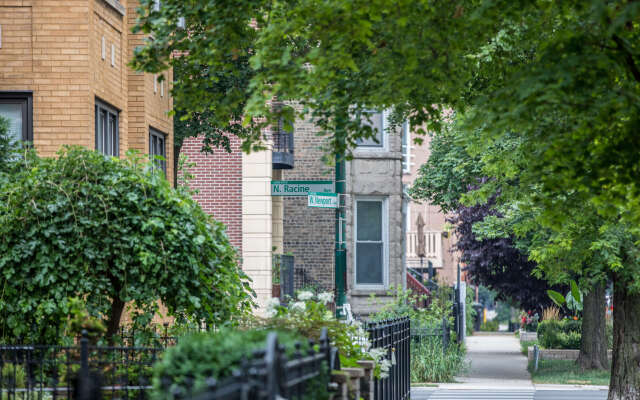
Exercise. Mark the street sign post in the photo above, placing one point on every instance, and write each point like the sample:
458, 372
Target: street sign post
323, 200
300, 188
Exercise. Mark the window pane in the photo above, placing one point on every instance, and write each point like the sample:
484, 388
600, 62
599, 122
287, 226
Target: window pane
13, 113
369, 263
375, 122
369, 222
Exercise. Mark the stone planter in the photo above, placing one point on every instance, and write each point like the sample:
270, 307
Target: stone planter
557, 354
366, 383
348, 380
528, 336
354, 383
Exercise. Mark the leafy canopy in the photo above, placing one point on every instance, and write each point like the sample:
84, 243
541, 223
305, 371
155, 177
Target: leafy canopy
111, 232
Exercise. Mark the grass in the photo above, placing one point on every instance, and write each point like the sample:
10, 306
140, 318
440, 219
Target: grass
429, 364
567, 372
524, 346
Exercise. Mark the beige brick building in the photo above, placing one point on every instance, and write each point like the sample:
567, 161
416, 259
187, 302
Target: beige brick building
64, 79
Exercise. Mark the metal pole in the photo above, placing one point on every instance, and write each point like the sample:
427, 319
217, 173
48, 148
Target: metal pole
340, 247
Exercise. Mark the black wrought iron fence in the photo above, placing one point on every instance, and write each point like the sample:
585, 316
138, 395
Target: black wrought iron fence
75, 372
395, 337
272, 374
441, 333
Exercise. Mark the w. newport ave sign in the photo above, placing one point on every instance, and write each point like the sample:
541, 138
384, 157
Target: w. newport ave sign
300, 188
323, 200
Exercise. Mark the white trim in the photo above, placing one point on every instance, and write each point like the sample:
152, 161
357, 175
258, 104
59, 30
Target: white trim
406, 149
385, 243
104, 48
162, 88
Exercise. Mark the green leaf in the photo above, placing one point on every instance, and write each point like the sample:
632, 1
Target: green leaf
556, 297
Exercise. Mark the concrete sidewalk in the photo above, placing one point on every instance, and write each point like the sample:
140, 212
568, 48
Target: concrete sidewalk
495, 363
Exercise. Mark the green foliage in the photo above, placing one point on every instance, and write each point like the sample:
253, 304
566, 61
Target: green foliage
490, 326
5, 145
13, 376
557, 298
573, 300
524, 346
430, 364
404, 304
111, 232
567, 372
470, 312
563, 334
309, 316
201, 356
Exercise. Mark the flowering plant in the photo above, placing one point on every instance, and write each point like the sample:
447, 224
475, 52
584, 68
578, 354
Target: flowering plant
309, 314
529, 321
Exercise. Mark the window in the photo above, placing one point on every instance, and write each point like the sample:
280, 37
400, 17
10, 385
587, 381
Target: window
371, 243
157, 148
406, 148
17, 107
107, 137
376, 121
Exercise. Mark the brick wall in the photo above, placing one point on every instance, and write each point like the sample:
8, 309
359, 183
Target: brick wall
309, 233
218, 179
54, 49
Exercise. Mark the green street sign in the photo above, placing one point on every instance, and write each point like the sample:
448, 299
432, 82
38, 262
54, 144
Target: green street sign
323, 200
300, 188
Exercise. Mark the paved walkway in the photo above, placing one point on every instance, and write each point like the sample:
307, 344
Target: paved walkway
496, 362
498, 371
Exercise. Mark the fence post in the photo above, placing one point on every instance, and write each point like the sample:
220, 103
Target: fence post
272, 367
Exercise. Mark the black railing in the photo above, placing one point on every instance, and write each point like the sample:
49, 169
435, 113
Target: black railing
285, 264
395, 337
303, 280
271, 374
75, 372
442, 333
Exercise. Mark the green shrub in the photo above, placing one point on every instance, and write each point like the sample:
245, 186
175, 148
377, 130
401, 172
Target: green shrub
564, 334
430, 364
13, 376
490, 326
201, 356
111, 232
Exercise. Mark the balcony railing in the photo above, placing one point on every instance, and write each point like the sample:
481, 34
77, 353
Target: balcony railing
282, 153
433, 247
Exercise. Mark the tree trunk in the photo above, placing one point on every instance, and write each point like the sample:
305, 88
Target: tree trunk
625, 368
593, 349
117, 307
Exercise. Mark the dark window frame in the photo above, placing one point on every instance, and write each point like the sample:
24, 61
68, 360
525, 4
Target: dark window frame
112, 115
25, 98
158, 135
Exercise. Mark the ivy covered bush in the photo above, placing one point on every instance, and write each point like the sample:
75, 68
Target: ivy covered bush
115, 234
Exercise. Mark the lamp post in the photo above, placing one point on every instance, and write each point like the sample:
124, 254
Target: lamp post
340, 251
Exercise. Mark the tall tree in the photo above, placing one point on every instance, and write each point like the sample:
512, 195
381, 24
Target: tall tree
562, 77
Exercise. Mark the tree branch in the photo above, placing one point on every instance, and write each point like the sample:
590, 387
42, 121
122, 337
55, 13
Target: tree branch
628, 57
